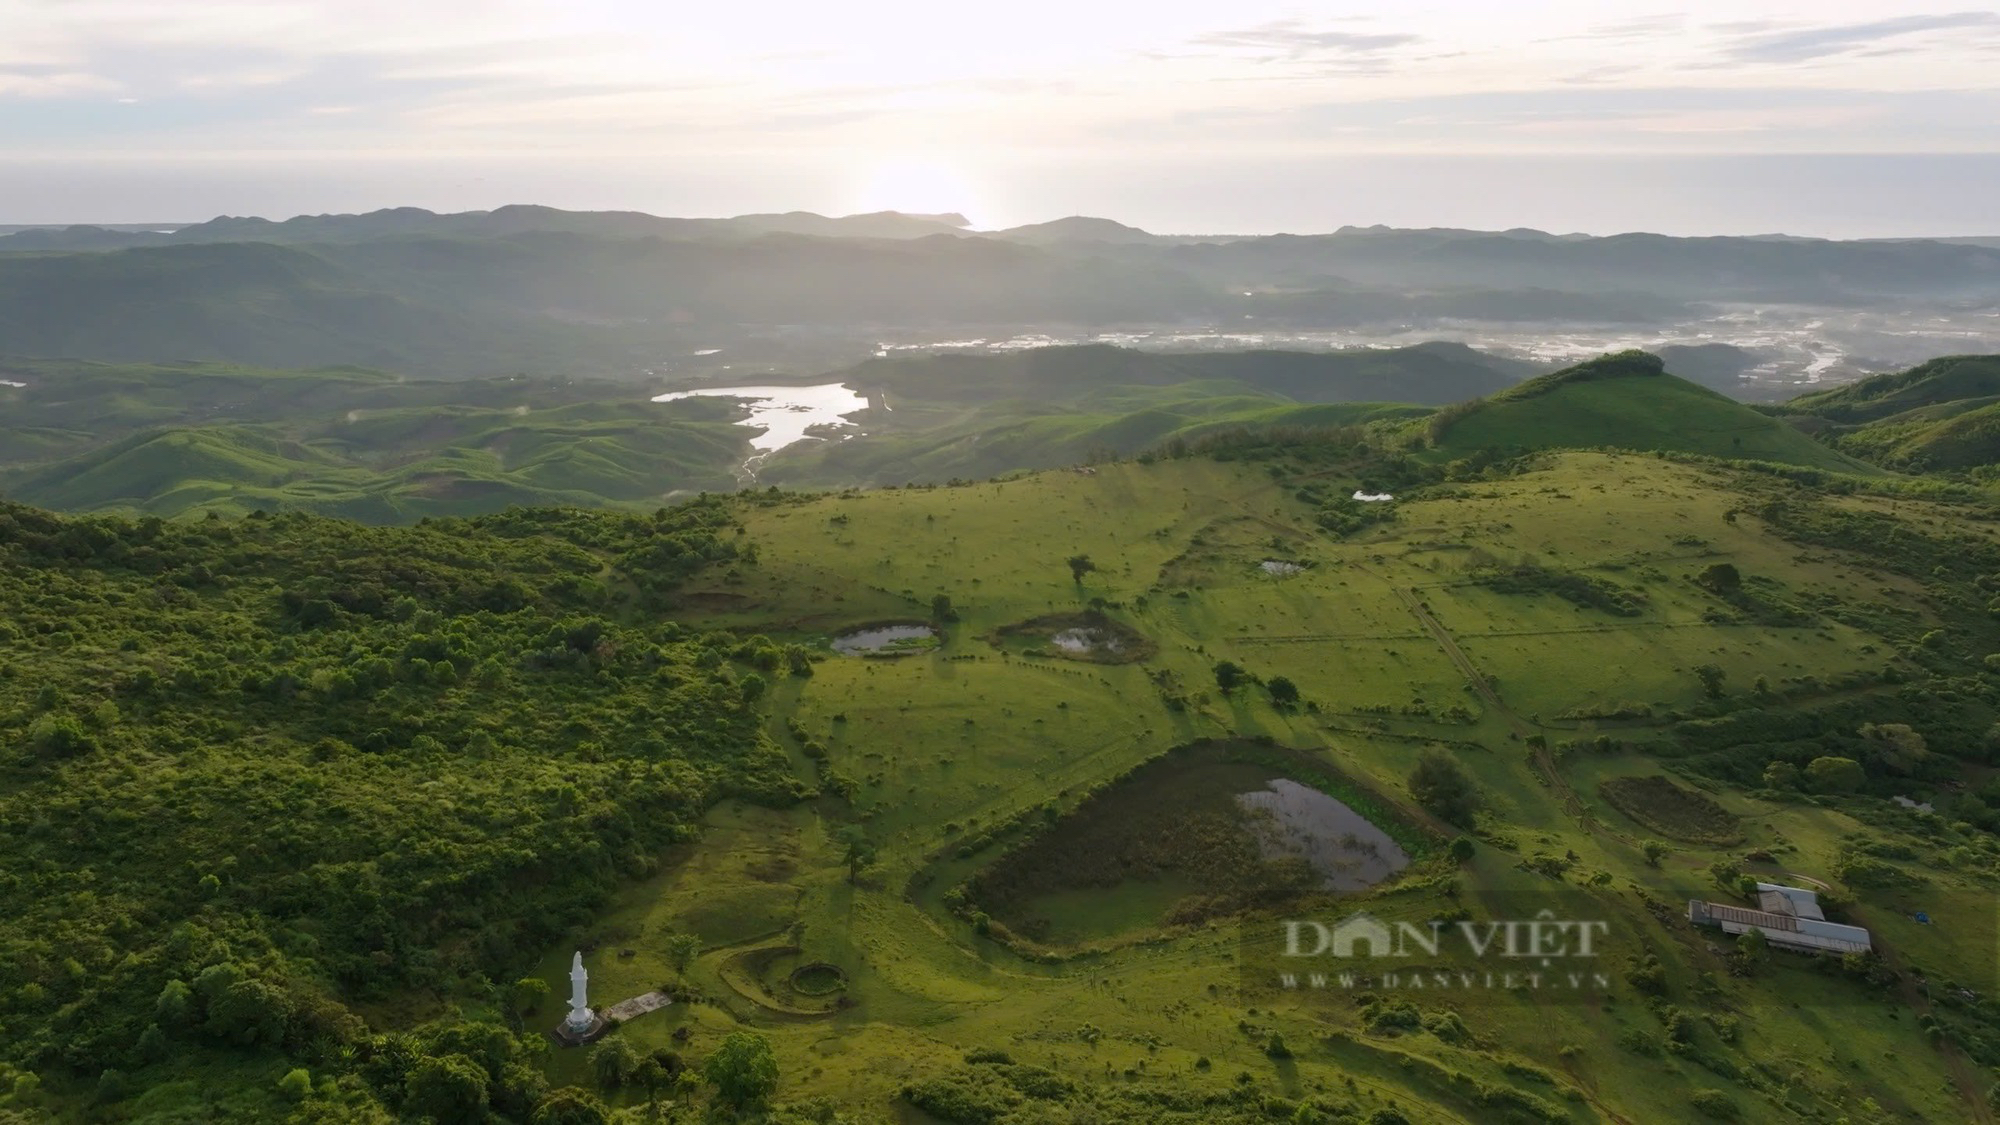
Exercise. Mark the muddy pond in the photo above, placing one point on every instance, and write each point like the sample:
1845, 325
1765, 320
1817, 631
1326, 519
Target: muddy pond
1080, 642
1346, 850
886, 640
1202, 832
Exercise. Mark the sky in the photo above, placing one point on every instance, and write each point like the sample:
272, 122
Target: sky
1836, 117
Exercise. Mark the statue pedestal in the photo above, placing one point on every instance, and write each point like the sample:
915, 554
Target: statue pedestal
567, 1035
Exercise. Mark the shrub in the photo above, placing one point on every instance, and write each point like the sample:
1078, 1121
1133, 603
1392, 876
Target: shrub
59, 736
1441, 785
1834, 775
1715, 1104
1721, 578
571, 1105
1781, 775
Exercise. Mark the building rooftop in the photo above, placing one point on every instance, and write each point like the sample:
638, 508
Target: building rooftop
1789, 917
1795, 901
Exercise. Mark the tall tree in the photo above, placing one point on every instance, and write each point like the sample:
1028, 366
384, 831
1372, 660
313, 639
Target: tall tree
681, 950
451, 1089
857, 851
743, 1069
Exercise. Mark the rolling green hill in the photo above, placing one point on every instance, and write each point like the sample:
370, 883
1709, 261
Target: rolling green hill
1941, 416
1941, 381
173, 439
306, 819
133, 472
1010, 435
1429, 374
1627, 401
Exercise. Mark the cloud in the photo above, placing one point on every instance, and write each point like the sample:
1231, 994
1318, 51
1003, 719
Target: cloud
1642, 27
36, 82
1807, 44
1293, 39
1663, 119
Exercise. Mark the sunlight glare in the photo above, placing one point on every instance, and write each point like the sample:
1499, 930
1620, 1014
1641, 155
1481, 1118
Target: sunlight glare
914, 186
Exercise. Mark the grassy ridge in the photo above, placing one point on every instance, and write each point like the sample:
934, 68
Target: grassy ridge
918, 442
1627, 401
1938, 416
1943, 380
171, 439
378, 446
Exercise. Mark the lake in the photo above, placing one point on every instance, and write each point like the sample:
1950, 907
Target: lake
784, 413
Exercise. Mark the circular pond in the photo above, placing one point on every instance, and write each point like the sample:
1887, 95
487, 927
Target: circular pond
818, 979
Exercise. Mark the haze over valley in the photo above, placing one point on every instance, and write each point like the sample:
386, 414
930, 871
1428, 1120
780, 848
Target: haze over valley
632, 296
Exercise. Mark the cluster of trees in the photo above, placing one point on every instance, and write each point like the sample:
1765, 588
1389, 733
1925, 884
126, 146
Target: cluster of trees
1583, 590
1230, 675
1443, 787
255, 771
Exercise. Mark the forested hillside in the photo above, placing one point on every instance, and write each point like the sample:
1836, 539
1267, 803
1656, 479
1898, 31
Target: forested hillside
267, 781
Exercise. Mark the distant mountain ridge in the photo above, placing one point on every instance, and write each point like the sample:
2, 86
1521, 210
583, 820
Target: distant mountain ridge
397, 222
525, 288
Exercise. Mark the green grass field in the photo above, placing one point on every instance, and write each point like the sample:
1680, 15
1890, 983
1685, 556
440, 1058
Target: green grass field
948, 748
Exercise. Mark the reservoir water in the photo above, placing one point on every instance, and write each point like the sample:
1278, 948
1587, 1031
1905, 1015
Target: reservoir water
784, 413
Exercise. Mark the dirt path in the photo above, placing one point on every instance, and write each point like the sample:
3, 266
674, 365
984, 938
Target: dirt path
1545, 763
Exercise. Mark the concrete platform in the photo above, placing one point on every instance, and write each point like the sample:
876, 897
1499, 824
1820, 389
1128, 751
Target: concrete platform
565, 1037
637, 1006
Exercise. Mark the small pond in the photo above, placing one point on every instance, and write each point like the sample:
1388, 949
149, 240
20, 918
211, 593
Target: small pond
887, 640
1347, 851
1372, 497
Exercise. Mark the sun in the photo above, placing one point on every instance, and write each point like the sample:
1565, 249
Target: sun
913, 186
